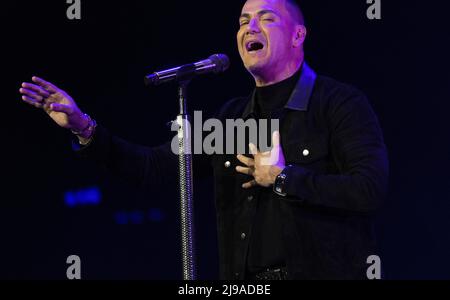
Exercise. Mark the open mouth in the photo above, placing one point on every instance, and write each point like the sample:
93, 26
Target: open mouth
254, 46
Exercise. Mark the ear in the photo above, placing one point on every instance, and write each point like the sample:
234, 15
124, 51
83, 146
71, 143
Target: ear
299, 36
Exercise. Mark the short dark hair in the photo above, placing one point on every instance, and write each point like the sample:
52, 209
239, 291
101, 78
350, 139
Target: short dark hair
296, 12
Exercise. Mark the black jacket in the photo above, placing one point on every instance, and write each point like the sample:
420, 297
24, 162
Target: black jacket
332, 138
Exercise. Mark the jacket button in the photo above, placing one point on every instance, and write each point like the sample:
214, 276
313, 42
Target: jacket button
243, 236
306, 153
227, 164
237, 275
250, 198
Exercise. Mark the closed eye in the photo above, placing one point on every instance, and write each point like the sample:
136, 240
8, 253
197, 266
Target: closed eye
244, 20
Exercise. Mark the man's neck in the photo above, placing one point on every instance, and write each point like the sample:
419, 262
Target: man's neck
275, 77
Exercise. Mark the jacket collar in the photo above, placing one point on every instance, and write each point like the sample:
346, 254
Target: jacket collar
300, 97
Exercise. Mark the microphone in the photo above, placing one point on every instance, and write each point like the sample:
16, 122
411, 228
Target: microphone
216, 63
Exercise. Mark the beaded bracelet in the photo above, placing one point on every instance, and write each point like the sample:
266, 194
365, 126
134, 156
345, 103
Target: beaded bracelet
91, 126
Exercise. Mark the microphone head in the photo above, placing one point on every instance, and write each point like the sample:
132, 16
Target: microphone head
151, 79
221, 61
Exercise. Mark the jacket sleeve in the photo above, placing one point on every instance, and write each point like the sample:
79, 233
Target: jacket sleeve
139, 165
359, 151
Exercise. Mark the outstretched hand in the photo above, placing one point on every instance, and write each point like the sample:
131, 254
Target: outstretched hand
55, 102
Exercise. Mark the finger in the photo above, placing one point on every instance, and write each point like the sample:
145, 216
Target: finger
47, 106
276, 139
31, 94
245, 171
250, 184
36, 88
31, 101
249, 162
253, 149
46, 85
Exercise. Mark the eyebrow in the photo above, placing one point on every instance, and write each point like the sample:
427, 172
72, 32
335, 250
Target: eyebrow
260, 13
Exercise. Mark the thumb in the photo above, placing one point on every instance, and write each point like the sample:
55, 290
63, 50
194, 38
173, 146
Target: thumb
61, 108
253, 149
276, 139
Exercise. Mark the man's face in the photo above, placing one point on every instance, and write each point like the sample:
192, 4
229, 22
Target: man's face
265, 38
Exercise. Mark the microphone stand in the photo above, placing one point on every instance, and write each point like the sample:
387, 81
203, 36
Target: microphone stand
186, 186
184, 75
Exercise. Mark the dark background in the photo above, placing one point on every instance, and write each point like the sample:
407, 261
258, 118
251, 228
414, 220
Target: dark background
399, 61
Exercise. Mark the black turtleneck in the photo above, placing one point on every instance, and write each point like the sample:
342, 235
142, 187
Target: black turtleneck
266, 244
273, 97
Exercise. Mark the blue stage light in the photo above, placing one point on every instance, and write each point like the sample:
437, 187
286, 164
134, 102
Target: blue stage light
83, 197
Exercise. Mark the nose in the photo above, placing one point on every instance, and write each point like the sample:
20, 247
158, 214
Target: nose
253, 26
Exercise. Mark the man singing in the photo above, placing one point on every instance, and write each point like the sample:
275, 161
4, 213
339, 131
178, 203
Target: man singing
306, 215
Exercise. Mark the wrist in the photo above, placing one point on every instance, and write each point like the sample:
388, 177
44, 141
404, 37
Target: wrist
85, 134
274, 171
279, 186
